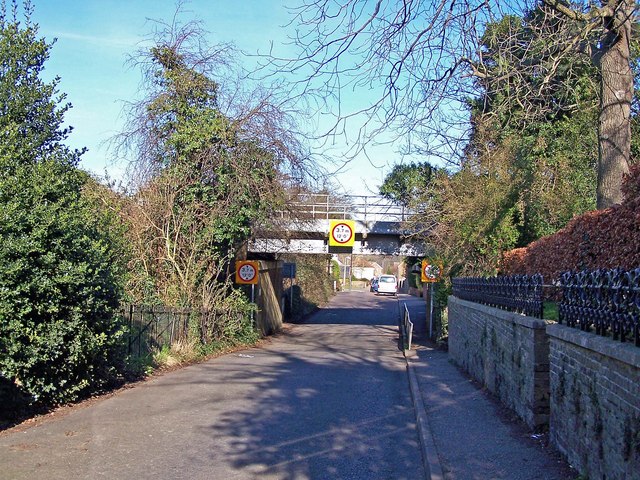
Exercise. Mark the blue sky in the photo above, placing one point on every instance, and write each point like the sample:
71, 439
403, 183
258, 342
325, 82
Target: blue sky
93, 41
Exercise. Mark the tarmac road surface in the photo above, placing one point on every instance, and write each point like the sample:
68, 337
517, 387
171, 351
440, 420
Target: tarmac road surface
328, 399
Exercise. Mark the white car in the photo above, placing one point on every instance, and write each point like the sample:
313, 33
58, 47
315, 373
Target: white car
388, 284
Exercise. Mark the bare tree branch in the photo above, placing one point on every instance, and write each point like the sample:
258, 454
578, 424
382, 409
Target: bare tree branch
416, 63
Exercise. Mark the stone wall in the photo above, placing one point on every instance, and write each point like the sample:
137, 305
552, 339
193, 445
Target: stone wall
585, 388
506, 352
595, 403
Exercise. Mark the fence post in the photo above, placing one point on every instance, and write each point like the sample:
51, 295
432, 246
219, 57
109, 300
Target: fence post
130, 328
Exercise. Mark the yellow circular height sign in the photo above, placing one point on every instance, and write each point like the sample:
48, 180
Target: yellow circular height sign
431, 272
341, 233
247, 272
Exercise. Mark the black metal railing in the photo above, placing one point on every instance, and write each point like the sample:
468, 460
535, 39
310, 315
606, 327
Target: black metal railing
149, 327
406, 329
152, 327
516, 293
607, 301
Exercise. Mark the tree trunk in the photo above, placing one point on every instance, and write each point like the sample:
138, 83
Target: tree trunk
614, 127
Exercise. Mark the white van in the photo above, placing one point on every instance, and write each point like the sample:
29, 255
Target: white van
388, 284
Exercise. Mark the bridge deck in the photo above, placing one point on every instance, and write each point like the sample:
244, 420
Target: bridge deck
304, 226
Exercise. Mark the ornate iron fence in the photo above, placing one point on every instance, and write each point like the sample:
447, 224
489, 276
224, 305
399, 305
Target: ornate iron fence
606, 300
516, 293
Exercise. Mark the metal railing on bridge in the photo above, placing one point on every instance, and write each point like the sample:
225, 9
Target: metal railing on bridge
365, 208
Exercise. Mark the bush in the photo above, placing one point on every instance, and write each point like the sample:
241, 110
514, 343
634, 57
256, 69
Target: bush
60, 286
598, 239
60, 257
313, 287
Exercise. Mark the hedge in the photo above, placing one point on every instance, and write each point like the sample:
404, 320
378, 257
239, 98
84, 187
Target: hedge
607, 238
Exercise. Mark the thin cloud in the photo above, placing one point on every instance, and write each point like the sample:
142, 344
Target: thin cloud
107, 42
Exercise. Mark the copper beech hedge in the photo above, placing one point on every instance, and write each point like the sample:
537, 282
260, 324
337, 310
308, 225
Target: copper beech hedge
599, 239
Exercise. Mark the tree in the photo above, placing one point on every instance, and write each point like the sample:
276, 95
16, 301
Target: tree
213, 158
428, 58
553, 157
604, 33
404, 182
520, 179
32, 110
471, 216
61, 260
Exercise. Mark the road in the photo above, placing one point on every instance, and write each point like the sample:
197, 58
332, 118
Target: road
327, 399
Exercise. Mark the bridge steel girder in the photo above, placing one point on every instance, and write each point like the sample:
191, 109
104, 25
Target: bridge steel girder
365, 228
373, 244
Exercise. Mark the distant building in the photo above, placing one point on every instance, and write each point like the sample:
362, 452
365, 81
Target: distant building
377, 268
365, 273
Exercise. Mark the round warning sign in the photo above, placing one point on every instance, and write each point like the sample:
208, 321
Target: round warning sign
342, 233
247, 272
431, 271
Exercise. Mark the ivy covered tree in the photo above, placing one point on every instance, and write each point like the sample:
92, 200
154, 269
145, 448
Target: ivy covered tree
553, 159
209, 160
61, 260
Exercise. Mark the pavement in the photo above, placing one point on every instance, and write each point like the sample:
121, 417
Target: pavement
465, 433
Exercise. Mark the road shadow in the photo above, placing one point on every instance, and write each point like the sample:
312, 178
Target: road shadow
318, 401
325, 418
333, 402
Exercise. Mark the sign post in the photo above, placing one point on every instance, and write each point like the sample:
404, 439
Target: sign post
247, 274
253, 300
430, 273
289, 271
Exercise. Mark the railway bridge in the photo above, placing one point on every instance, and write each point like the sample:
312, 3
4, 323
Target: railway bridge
303, 227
